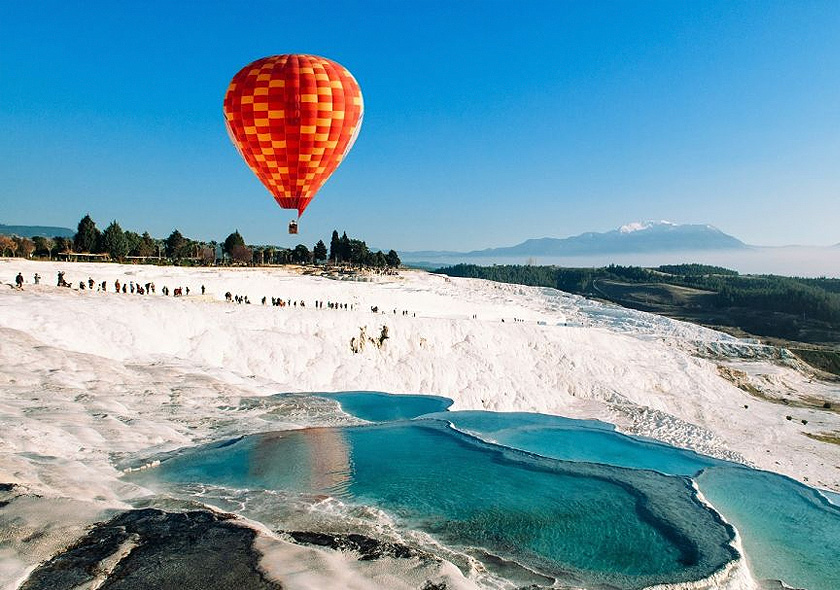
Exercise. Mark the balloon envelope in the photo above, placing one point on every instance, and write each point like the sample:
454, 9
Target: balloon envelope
293, 118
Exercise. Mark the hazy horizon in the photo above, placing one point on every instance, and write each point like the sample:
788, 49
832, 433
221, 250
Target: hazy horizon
793, 261
294, 241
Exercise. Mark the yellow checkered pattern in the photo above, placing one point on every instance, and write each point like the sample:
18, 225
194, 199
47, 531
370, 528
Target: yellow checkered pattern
293, 118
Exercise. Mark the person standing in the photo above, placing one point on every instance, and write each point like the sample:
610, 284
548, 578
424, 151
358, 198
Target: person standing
37, 279
19, 281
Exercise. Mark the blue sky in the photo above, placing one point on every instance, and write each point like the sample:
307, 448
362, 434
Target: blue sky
486, 123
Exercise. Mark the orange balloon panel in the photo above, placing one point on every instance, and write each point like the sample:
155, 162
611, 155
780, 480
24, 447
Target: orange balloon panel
293, 118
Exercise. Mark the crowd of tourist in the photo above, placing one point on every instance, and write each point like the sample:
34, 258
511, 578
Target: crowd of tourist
138, 288
127, 287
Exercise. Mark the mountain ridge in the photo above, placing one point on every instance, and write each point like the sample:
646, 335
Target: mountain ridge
30, 231
636, 237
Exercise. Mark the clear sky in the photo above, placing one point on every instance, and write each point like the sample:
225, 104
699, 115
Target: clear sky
486, 123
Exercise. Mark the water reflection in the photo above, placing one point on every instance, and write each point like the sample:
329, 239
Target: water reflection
330, 461
318, 462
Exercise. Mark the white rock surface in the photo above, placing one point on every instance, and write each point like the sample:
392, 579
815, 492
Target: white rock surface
90, 378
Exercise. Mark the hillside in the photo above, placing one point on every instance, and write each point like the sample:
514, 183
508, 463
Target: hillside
792, 309
30, 231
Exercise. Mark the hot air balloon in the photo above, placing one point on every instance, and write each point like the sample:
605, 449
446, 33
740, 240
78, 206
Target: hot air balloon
293, 119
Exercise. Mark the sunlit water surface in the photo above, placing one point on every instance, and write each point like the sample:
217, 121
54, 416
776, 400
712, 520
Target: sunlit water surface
570, 501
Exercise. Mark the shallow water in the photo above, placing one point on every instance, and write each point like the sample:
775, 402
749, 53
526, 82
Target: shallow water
579, 523
571, 499
789, 531
833, 497
382, 407
578, 440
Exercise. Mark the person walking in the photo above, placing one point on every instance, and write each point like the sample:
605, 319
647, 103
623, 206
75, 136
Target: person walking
19, 281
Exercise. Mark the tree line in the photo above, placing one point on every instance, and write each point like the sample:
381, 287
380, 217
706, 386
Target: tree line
121, 245
816, 299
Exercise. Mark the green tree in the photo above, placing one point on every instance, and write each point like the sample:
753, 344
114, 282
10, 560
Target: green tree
132, 240
234, 239
193, 249
63, 244
319, 252
335, 247
177, 246
301, 254
379, 260
358, 252
87, 236
147, 246
114, 241
392, 259
44, 246
343, 248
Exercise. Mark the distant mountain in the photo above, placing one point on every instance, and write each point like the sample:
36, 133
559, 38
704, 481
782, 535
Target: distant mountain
30, 231
648, 236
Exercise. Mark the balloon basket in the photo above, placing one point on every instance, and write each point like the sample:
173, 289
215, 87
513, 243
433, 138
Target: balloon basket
293, 227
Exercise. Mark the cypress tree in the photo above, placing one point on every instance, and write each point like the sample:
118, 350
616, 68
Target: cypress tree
335, 247
344, 252
319, 252
87, 236
233, 240
114, 241
392, 258
176, 244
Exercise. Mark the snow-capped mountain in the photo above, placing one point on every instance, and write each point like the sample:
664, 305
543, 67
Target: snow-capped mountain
639, 236
642, 226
